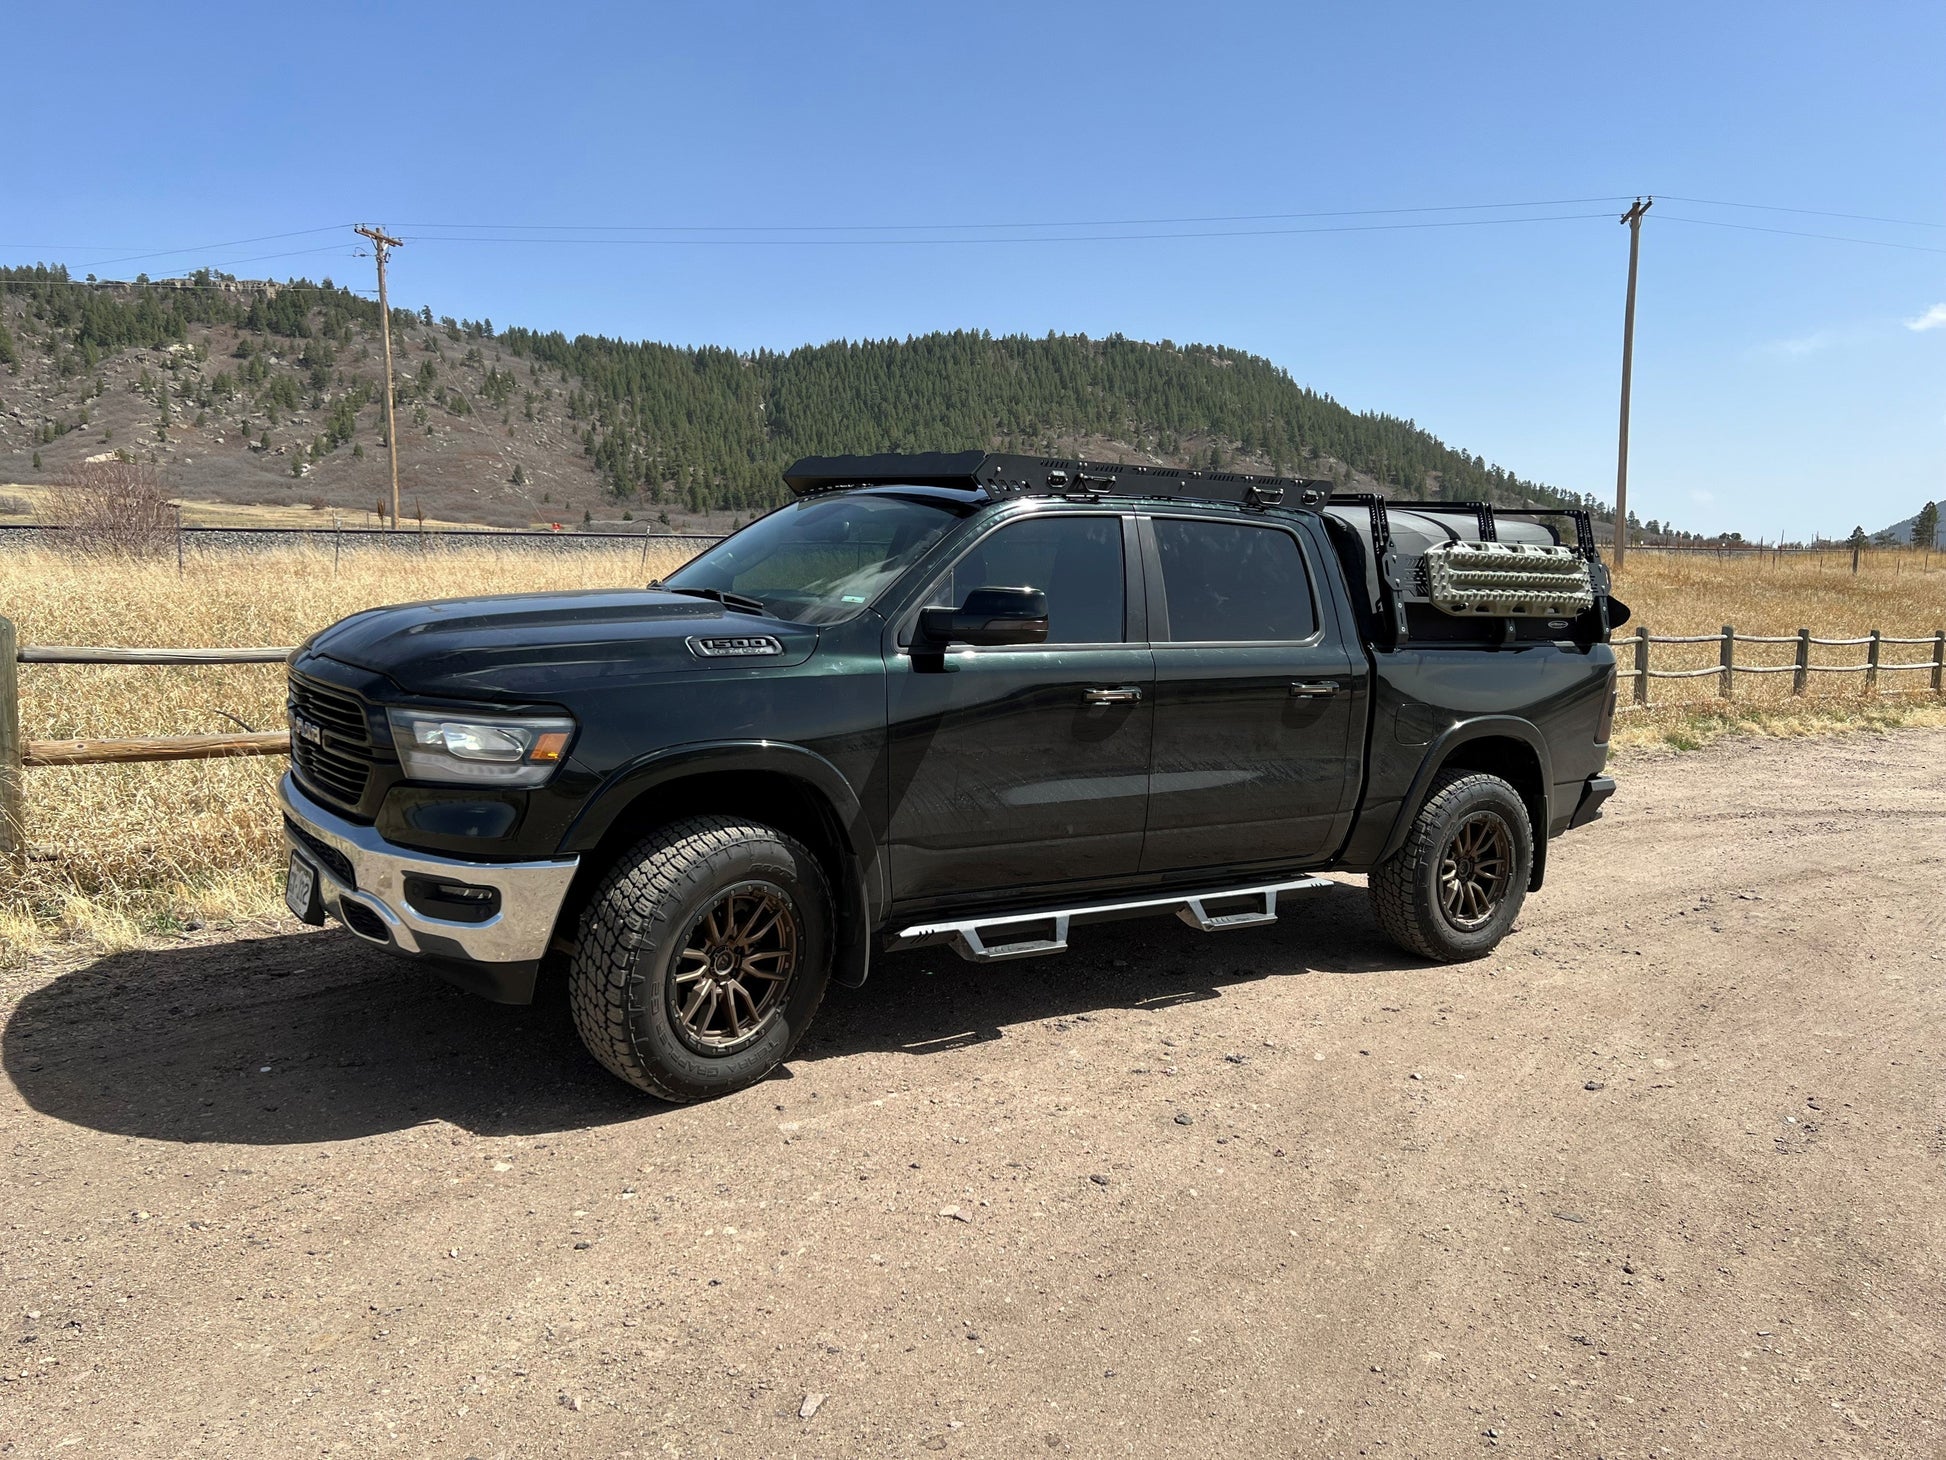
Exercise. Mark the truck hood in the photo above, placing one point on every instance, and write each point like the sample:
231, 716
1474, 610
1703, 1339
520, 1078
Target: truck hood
541, 646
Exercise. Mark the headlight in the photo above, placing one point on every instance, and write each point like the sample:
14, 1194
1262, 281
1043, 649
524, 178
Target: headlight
479, 750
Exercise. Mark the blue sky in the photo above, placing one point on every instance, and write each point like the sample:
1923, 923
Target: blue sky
1779, 387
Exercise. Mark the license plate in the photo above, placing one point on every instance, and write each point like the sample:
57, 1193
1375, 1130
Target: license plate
301, 890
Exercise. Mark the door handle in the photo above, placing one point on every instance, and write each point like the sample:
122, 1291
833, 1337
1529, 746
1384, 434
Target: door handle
1315, 689
1127, 694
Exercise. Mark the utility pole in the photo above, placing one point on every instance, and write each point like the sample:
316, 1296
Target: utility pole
383, 245
1633, 218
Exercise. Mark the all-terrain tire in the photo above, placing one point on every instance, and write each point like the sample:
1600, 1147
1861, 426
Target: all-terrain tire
623, 980
1411, 897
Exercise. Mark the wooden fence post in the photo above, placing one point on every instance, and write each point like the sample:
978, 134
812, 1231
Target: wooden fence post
1801, 677
1728, 659
1871, 664
1642, 665
13, 814
1939, 661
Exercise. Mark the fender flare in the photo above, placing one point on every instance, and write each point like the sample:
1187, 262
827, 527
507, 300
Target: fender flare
1486, 727
626, 786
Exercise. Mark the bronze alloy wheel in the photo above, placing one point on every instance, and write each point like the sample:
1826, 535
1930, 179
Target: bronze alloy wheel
735, 968
1475, 870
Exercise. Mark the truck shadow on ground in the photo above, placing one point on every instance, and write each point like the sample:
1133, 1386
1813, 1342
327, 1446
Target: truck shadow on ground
319, 1037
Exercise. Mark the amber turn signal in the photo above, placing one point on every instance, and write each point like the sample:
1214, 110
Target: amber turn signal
548, 747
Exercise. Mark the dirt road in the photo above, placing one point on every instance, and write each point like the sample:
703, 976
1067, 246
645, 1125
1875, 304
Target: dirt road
1663, 1177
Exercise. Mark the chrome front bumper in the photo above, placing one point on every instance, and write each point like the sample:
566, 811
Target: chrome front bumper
370, 876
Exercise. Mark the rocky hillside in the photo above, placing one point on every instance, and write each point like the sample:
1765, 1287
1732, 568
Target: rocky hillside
255, 392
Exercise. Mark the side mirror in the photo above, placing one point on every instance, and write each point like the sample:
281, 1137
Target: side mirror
990, 616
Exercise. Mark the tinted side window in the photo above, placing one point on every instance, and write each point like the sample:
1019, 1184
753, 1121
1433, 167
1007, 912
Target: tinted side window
1230, 582
1076, 561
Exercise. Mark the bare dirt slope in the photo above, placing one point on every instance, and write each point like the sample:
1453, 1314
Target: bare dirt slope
1661, 1177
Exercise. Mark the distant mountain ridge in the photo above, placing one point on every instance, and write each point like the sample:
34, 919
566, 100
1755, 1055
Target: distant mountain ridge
1901, 531
258, 391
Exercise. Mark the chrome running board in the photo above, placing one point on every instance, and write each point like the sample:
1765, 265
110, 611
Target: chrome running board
988, 940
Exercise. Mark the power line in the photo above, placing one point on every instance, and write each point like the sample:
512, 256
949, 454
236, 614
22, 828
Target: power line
1808, 212
295, 253
1799, 233
233, 243
564, 239
1181, 227
1025, 239
1058, 223
197, 248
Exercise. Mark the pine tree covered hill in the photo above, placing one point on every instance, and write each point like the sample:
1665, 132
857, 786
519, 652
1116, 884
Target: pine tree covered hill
273, 392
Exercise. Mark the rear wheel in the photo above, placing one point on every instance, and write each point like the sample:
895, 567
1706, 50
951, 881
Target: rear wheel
702, 957
1456, 886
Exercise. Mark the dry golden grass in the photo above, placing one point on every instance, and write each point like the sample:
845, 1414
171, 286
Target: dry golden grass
120, 852
1899, 592
1692, 726
35, 499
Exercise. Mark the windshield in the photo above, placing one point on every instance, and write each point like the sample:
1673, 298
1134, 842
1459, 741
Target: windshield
822, 561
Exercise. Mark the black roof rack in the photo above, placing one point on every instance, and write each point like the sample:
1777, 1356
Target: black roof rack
1002, 474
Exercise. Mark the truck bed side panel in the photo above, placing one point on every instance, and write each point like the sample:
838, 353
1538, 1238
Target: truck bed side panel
1426, 699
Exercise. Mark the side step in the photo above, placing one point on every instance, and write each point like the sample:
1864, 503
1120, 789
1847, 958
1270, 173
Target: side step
992, 940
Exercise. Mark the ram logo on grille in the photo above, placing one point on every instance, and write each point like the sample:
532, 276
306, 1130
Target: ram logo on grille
742, 647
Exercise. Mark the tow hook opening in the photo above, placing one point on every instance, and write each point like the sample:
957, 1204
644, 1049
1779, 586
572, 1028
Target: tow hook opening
363, 921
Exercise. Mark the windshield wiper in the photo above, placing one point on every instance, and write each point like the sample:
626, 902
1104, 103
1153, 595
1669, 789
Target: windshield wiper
739, 601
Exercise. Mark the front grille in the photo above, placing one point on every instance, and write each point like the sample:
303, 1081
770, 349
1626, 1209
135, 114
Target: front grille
335, 862
339, 763
342, 778
333, 709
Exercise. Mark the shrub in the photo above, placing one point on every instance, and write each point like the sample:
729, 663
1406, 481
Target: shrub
111, 507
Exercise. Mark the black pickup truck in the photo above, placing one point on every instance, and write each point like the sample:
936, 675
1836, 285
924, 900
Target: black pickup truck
951, 698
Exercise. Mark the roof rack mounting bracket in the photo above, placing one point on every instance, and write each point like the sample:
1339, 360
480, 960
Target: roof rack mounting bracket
1006, 475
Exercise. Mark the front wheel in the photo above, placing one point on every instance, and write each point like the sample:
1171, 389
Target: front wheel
1456, 886
702, 957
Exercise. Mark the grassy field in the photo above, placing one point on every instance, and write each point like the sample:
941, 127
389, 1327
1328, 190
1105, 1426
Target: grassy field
120, 853
1900, 593
24, 504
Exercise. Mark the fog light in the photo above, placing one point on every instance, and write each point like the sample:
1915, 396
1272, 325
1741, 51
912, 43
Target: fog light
450, 901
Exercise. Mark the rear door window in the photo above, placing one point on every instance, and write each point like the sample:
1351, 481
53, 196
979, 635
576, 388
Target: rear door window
1233, 582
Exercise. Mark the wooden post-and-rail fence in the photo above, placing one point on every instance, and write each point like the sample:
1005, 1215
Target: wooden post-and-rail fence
1800, 669
17, 753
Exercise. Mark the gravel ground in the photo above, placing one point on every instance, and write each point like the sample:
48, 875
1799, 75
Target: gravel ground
1662, 1177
